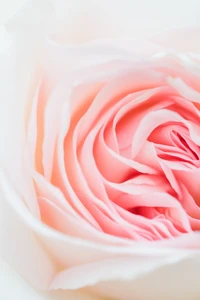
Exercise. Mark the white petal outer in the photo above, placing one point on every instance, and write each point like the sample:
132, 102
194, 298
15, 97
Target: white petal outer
176, 281
124, 268
20, 71
14, 287
28, 245
113, 264
21, 248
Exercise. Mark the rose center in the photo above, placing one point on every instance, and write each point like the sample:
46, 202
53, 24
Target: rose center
172, 142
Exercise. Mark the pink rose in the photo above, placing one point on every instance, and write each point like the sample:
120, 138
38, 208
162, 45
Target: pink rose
100, 158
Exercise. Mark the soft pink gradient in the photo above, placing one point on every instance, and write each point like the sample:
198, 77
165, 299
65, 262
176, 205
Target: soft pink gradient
119, 141
100, 175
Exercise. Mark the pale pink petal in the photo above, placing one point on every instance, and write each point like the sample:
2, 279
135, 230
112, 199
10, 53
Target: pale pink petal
113, 273
177, 275
22, 289
19, 246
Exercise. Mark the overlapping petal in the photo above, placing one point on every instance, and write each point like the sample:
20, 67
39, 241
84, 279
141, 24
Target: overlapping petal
103, 170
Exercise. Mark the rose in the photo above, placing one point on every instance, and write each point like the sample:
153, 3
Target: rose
156, 72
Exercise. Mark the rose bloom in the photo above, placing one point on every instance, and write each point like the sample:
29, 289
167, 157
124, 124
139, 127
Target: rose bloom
100, 160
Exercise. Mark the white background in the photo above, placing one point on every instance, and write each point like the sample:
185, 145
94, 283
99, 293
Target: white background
151, 16
8, 8
148, 15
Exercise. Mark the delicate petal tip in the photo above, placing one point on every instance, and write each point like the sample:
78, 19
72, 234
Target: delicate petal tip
123, 269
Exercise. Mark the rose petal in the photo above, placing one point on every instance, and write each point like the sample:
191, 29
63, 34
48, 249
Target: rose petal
12, 249
21, 288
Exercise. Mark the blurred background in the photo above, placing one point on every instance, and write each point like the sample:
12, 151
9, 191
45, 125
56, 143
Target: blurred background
150, 16
8, 8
